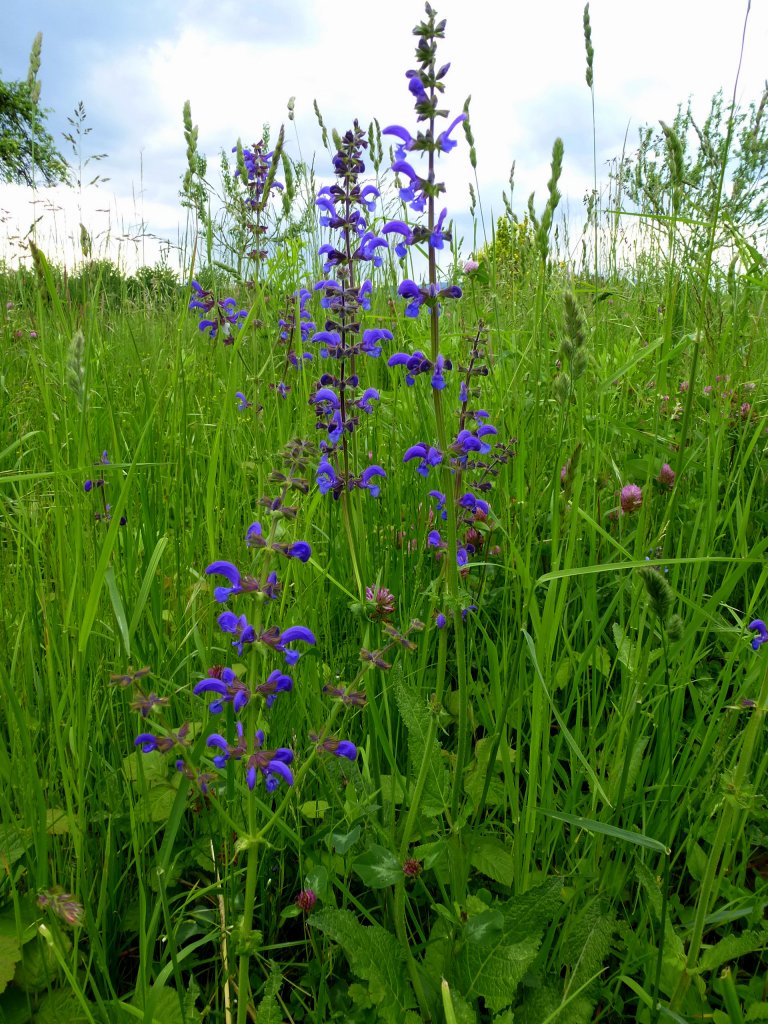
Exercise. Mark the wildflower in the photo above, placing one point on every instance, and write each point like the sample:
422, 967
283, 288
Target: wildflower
759, 627
243, 402
341, 748
145, 703
666, 476
202, 780
63, 904
427, 295
381, 602
272, 764
326, 477
149, 741
240, 584
306, 900
364, 401
631, 498
129, 677
427, 455
470, 265
241, 629
366, 480
354, 698
230, 689
411, 867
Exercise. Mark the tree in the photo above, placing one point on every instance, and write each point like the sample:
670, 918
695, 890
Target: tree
27, 150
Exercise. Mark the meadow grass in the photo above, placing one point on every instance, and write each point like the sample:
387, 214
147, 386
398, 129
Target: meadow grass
556, 809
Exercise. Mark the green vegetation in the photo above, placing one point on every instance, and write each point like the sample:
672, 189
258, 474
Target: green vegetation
28, 153
557, 809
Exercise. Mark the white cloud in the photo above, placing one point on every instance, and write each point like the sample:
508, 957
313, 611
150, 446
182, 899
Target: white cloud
523, 64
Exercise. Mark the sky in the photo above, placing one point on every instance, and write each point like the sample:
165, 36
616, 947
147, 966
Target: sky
238, 62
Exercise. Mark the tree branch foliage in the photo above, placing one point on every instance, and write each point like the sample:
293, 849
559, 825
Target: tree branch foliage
28, 152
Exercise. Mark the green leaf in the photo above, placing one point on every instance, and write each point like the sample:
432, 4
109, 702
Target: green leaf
10, 954
268, 1010
163, 1006
62, 1005
491, 857
314, 810
422, 744
14, 1007
119, 609
14, 842
485, 927
375, 956
590, 825
343, 841
378, 867
493, 969
732, 947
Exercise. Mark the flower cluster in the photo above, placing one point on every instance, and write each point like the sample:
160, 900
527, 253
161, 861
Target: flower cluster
222, 316
339, 398
421, 189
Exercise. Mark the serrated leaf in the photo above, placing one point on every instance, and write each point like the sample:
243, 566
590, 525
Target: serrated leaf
422, 744
375, 956
62, 1005
732, 947
268, 1010
493, 971
14, 842
757, 1012
163, 1006
10, 954
378, 867
588, 945
485, 927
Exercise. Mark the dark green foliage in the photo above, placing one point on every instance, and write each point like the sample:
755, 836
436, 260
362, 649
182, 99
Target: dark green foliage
28, 153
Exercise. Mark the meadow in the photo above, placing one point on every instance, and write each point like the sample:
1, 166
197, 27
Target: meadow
381, 627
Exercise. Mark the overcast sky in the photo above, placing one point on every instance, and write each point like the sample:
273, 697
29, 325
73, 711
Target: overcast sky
238, 61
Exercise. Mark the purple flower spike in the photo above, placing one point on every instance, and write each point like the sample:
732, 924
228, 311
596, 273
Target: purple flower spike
759, 627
